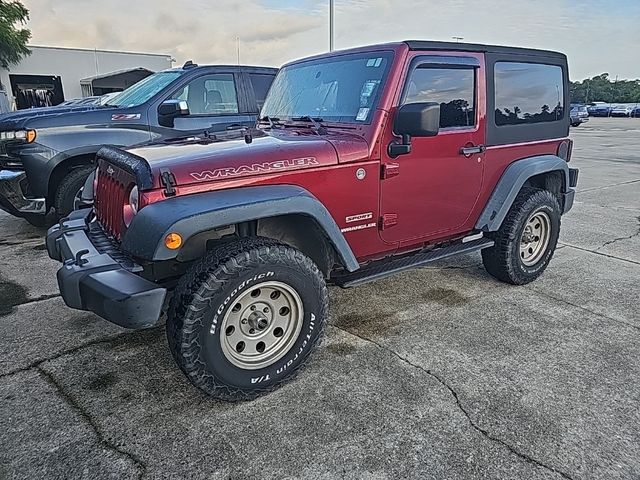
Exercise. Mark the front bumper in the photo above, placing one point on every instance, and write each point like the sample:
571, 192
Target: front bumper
12, 198
98, 282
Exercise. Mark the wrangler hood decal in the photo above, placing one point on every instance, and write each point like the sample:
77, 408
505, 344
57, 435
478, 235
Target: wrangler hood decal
195, 162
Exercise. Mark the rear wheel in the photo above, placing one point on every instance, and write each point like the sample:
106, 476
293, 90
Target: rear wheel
527, 238
244, 319
69, 189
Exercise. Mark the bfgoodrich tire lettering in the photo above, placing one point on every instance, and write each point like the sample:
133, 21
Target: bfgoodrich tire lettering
503, 260
210, 289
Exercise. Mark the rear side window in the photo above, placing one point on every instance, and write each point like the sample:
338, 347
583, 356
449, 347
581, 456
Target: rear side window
261, 84
453, 88
527, 93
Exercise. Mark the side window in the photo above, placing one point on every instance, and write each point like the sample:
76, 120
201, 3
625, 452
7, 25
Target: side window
453, 88
528, 93
261, 84
210, 95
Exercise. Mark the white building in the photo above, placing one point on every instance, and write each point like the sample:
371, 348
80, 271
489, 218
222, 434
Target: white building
51, 75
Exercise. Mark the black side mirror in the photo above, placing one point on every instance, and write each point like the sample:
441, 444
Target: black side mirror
171, 109
414, 120
418, 119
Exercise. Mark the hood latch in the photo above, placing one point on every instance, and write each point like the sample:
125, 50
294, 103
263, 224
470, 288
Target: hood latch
168, 180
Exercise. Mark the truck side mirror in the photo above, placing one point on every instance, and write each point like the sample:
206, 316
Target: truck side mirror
170, 110
414, 120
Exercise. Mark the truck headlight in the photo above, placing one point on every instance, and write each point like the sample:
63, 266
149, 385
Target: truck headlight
28, 136
130, 208
133, 199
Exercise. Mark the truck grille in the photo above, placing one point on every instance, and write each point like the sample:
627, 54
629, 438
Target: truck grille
110, 197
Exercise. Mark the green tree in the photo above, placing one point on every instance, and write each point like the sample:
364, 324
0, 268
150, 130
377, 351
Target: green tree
602, 88
13, 38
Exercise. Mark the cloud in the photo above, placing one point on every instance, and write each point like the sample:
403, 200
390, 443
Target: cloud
597, 35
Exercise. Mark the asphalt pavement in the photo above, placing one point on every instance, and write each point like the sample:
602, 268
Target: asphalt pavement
437, 373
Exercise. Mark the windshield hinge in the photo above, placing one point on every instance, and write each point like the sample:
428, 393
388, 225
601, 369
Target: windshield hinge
390, 169
168, 180
388, 220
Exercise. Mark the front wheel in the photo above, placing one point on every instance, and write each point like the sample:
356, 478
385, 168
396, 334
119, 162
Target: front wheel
69, 189
244, 319
527, 238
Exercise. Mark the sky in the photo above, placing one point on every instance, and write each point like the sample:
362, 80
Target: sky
597, 35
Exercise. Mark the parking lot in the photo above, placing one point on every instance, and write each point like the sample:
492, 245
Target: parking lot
437, 373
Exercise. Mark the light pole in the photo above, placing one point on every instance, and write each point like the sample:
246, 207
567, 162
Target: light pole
331, 25
458, 39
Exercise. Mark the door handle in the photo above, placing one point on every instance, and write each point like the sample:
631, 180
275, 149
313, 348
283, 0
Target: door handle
235, 126
468, 151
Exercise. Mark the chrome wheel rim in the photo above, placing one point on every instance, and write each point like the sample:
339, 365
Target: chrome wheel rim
77, 200
262, 325
535, 238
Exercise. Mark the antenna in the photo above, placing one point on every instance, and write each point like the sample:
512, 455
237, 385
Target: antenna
331, 25
238, 48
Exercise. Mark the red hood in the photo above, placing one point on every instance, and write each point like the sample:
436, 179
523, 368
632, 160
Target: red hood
283, 151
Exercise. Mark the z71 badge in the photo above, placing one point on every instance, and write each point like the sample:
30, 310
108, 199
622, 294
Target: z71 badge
120, 117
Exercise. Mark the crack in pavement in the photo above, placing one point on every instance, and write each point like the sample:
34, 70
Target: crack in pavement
622, 238
461, 407
41, 298
607, 186
567, 302
595, 252
102, 439
36, 364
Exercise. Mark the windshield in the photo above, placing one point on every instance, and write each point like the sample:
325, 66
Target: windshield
145, 89
344, 88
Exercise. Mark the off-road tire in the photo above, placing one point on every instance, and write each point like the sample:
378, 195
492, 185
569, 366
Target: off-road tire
211, 287
68, 188
503, 260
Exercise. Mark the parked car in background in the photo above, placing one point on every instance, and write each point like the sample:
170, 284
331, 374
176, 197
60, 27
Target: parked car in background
622, 111
636, 111
579, 115
600, 110
47, 154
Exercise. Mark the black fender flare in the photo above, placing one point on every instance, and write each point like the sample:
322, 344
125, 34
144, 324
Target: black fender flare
192, 214
512, 180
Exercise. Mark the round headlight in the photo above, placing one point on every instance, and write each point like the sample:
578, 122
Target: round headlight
133, 199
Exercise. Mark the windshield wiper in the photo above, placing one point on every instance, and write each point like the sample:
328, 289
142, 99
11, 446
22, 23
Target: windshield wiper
316, 123
272, 121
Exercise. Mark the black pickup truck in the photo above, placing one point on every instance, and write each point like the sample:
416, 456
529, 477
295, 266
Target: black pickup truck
46, 155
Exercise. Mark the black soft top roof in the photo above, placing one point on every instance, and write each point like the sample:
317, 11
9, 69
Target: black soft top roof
476, 47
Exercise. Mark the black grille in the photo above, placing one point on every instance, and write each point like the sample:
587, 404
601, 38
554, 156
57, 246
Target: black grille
105, 243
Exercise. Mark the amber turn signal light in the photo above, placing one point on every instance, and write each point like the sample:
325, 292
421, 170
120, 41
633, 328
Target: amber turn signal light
31, 136
173, 241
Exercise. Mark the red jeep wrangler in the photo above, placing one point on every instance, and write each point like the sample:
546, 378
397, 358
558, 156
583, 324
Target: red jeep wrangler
369, 162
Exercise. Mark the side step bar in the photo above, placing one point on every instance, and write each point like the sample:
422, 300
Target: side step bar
386, 268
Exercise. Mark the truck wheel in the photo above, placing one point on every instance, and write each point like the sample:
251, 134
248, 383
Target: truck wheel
69, 188
39, 221
525, 242
245, 318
